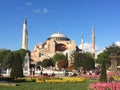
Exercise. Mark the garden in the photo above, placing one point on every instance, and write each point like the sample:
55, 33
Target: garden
44, 83
80, 81
83, 82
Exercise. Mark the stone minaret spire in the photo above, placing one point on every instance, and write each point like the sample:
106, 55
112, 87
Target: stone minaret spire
82, 42
93, 41
25, 36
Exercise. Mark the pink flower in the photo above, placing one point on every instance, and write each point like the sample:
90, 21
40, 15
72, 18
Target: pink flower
104, 86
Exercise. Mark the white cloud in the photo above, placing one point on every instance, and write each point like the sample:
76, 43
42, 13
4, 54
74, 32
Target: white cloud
40, 11
23, 7
34, 9
37, 11
28, 3
99, 51
88, 48
117, 43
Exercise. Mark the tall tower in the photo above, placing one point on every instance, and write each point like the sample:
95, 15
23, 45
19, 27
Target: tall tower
93, 41
25, 36
82, 43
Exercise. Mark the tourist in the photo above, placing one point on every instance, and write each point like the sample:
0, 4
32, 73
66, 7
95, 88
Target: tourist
66, 73
41, 73
33, 70
90, 73
30, 72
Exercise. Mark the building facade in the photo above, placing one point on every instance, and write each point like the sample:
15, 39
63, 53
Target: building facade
56, 43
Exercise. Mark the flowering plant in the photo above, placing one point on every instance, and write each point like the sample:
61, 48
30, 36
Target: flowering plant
62, 80
105, 86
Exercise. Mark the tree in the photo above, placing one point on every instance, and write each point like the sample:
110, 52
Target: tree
114, 50
22, 53
89, 63
62, 64
77, 60
101, 56
89, 54
16, 69
58, 57
3, 54
8, 60
84, 60
103, 76
47, 63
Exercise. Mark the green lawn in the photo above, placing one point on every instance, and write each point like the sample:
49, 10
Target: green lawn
47, 86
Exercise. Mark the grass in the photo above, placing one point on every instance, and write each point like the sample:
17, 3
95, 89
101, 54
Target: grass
47, 86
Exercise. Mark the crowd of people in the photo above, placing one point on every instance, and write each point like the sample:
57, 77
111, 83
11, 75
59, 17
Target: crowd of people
66, 72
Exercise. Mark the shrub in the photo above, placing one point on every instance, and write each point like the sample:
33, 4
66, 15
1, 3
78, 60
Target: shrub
103, 76
16, 70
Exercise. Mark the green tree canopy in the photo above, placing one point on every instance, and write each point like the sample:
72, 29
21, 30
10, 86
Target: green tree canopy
114, 50
103, 75
3, 55
16, 69
22, 53
83, 60
47, 63
8, 61
100, 57
58, 57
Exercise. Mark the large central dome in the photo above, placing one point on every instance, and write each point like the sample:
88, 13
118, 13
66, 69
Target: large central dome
58, 36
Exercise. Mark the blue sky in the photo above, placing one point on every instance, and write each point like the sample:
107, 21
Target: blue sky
70, 17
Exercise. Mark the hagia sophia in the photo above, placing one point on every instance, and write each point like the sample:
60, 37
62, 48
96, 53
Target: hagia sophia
55, 43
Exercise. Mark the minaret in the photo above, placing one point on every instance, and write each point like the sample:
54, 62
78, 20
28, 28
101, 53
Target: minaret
25, 36
93, 41
82, 43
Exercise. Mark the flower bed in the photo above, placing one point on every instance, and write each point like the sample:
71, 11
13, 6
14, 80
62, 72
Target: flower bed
92, 77
7, 84
53, 79
104, 86
116, 78
61, 80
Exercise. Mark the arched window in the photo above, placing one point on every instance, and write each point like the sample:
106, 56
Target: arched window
60, 47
